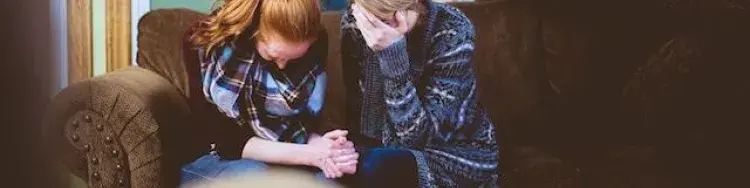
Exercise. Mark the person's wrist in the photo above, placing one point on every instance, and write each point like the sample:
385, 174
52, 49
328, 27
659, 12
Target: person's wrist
380, 47
398, 39
306, 155
313, 137
310, 155
394, 61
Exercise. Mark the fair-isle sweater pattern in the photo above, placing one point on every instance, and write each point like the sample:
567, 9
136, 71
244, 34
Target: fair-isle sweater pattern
421, 95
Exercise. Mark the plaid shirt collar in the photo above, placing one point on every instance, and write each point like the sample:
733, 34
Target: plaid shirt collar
256, 94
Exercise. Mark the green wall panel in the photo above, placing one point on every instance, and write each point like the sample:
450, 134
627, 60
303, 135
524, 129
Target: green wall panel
198, 5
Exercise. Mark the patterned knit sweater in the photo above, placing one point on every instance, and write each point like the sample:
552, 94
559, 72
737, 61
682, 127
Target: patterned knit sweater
420, 94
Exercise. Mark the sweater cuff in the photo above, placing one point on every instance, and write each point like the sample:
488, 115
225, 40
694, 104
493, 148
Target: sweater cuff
394, 60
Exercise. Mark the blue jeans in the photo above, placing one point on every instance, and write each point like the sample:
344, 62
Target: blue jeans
211, 167
387, 167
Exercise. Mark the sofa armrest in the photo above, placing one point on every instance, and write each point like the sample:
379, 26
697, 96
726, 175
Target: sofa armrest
113, 130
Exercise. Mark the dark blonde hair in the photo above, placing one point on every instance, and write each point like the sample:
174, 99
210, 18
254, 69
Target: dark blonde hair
293, 20
382, 8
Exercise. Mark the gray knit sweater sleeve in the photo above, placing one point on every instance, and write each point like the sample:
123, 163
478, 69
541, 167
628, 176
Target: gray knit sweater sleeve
446, 102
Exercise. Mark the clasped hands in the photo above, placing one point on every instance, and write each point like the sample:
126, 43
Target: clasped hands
337, 155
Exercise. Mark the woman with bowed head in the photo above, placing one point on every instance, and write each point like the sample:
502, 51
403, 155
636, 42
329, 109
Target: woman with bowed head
257, 81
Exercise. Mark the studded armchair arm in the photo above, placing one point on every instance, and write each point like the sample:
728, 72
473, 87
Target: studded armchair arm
112, 130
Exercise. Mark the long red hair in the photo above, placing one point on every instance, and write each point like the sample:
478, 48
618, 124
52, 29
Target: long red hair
293, 20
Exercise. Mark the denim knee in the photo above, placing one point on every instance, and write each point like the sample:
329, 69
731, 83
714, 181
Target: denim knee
388, 166
210, 167
386, 160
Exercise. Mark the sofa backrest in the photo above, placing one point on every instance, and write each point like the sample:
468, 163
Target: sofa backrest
503, 57
160, 37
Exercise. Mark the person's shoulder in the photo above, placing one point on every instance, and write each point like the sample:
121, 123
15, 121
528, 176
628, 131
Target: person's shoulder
317, 53
452, 20
347, 19
320, 45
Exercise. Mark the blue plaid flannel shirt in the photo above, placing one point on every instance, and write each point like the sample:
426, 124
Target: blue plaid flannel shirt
255, 93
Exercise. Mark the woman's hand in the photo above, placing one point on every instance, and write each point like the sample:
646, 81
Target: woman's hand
334, 154
347, 163
347, 157
322, 152
377, 34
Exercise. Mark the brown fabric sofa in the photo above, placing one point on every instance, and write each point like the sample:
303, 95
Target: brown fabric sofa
126, 129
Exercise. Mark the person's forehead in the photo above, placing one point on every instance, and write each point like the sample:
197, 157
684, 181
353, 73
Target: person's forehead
288, 50
288, 45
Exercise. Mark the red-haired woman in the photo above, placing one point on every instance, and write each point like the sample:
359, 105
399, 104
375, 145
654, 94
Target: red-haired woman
260, 81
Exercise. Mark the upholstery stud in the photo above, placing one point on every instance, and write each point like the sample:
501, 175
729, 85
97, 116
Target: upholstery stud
75, 123
103, 155
96, 176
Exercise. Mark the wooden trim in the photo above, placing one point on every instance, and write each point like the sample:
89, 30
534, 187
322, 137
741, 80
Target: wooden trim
79, 40
138, 9
118, 34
